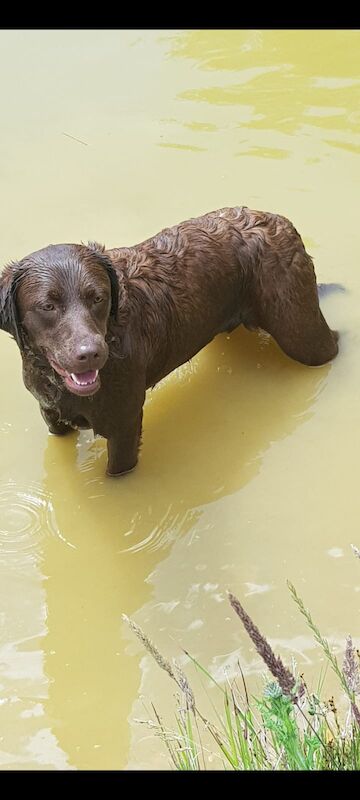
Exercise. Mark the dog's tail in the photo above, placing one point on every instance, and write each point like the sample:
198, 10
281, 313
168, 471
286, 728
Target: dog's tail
327, 288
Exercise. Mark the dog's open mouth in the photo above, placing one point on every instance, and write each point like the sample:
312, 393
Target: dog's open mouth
82, 383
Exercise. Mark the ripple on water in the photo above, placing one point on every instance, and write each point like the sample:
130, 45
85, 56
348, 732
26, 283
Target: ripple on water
27, 519
167, 530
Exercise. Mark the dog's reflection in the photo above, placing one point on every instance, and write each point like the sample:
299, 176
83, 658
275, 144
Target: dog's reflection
206, 432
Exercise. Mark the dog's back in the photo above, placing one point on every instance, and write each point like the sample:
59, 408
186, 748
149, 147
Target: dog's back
229, 267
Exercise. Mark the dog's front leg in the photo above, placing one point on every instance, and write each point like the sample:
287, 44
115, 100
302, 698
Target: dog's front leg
52, 419
123, 447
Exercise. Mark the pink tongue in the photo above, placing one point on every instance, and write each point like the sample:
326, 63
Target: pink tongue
86, 377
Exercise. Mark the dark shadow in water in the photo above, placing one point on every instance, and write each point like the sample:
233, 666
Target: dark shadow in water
204, 438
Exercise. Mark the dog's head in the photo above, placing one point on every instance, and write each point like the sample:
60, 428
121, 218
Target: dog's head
58, 302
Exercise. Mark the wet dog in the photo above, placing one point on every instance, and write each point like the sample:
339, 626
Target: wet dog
97, 327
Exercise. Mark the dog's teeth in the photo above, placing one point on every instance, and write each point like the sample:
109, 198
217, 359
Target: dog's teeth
84, 383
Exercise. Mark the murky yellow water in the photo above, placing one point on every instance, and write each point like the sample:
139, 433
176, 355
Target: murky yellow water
249, 469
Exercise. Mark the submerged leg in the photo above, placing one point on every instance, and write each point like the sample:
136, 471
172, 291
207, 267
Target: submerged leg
123, 448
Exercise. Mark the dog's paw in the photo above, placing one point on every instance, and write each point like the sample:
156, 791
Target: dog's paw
119, 474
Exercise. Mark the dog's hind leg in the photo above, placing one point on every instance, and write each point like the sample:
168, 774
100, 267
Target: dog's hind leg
288, 308
305, 338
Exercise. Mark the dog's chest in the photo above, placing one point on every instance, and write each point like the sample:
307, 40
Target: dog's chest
52, 395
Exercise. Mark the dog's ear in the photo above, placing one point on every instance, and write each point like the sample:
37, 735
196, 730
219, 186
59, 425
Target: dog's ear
114, 283
9, 317
106, 262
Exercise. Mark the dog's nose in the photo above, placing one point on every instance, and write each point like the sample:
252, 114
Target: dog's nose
88, 355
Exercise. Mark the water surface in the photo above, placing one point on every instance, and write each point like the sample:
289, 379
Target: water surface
249, 468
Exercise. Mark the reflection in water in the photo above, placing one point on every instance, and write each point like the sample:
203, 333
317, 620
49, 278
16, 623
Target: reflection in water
121, 530
275, 87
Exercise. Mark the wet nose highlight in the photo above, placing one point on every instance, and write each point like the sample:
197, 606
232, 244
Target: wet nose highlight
87, 354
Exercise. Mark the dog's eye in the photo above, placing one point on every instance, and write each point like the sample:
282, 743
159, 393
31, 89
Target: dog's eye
98, 299
48, 307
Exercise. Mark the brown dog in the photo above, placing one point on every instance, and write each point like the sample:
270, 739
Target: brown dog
97, 327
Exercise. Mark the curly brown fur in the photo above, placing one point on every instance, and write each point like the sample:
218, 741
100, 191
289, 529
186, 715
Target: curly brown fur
97, 327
